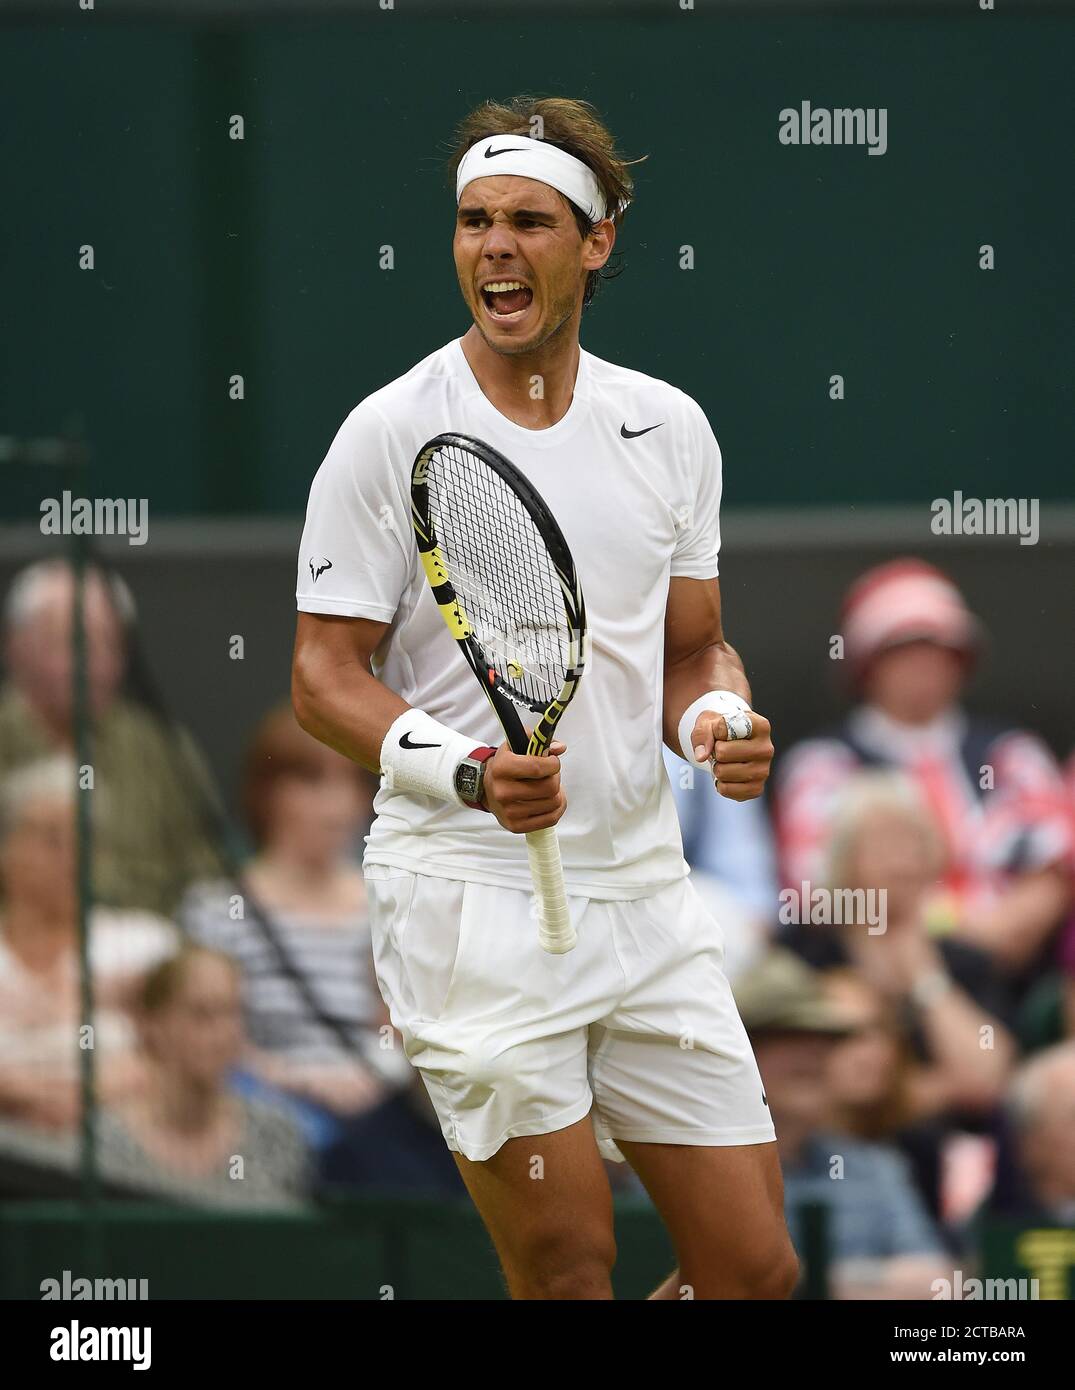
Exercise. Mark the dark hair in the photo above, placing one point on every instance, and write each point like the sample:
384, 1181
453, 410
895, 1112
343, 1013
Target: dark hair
570, 125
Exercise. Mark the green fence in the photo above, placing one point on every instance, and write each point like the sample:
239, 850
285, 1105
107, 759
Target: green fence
379, 1247
370, 1249
215, 257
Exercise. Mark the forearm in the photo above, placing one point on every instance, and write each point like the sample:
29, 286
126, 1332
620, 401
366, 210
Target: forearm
974, 1075
1020, 923
340, 702
343, 705
716, 666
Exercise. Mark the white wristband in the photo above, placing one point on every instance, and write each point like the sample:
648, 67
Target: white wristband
421, 755
720, 702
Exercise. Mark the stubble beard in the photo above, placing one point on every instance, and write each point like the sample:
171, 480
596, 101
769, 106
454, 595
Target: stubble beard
563, 312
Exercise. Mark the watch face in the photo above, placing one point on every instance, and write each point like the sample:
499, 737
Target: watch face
466, 780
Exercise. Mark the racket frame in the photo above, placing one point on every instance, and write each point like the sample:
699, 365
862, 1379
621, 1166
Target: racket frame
555, 931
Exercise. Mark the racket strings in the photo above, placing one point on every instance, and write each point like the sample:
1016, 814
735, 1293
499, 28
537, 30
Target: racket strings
502, 572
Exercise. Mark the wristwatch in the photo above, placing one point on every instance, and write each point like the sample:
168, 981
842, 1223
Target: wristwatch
470, 777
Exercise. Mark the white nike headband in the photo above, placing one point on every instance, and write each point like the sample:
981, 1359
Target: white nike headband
532, 159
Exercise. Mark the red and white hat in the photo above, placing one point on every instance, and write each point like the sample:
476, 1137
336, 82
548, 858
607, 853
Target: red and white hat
905, 601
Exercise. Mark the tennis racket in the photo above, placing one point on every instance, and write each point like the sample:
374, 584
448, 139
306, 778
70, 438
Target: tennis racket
505, 583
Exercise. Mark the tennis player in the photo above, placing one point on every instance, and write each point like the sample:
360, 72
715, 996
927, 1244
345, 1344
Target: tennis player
629, 1046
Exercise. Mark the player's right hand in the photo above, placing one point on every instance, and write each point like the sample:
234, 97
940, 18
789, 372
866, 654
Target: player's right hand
524, 792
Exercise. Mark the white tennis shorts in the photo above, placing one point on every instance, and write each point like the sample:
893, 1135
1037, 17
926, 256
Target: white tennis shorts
636, 1023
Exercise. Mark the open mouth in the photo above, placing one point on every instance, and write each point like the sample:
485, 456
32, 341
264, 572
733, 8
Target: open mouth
506, 299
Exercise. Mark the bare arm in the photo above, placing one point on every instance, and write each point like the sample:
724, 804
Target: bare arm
338, 700
1018, 925
335, 695
697, 659
966, 1069
971, 1075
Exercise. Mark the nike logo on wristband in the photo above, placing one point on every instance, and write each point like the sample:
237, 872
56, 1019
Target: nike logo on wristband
405, 742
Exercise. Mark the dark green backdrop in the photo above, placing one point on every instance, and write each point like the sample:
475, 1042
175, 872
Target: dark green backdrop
216, 257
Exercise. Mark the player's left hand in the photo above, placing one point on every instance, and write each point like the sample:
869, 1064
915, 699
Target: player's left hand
740, 766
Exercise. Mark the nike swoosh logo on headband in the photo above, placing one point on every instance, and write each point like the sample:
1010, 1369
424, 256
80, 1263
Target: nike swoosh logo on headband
505, 149
634, 434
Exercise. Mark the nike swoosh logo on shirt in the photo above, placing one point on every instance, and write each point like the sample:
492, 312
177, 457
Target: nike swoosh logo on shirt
634, 434
405, 742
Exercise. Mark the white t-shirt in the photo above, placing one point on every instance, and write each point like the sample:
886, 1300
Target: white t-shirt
635, 510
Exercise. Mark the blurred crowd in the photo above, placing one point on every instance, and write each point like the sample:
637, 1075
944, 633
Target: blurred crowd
897, 914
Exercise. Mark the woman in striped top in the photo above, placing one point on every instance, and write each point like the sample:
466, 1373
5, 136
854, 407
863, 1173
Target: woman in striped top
316, 1024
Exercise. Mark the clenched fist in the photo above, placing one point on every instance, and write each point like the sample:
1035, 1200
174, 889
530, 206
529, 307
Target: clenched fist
740, 766
524, 792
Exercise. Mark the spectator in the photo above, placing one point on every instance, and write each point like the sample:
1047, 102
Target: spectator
42, 1024
395, 1147
1047, 1013
1041, 1111
305, 805
876, 1087
187, 1134
148, 843
884, 851
729, 846
995, 790
881, 1241
872, 1071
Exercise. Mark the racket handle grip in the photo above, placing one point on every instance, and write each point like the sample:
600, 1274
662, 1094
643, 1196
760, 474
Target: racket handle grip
555, 932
